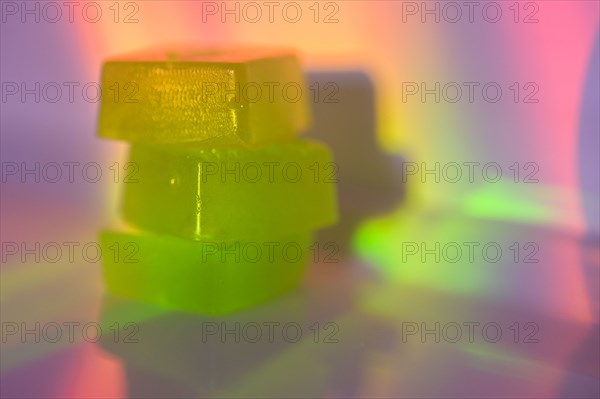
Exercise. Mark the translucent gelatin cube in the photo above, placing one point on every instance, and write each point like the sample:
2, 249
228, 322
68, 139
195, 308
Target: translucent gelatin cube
207, 277
219, 96
196, 193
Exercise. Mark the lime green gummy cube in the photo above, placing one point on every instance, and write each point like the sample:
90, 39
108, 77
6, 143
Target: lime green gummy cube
195, 192
207, 277
219, 96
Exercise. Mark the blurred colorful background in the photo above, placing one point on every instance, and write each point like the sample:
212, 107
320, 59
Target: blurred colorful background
388, 127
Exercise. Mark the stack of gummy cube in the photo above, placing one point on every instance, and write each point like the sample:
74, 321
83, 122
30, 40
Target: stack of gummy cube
226, 197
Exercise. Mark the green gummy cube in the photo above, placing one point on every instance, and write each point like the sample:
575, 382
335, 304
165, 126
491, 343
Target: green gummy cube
206, 277
200, 193
219, 96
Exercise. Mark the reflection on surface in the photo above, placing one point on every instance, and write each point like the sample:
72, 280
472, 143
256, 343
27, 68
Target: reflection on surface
514, 263
395, 333
272, 350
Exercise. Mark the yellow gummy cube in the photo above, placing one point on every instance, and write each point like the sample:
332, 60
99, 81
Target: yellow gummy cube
195, 192
219, 96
